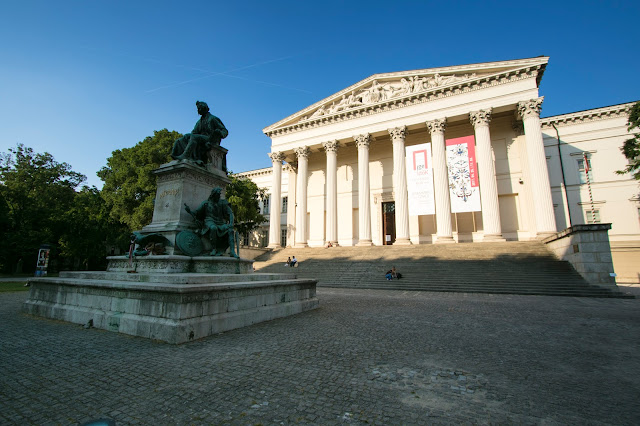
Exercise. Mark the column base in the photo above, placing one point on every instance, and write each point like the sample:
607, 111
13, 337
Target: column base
493, 238
445, 240
300, 245
333, 244
364, 243
402, 242
546, 234
274, 246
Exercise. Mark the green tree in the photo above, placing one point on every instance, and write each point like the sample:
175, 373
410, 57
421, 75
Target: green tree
36, 192
244, 197
129, 184
90, 232
631, 147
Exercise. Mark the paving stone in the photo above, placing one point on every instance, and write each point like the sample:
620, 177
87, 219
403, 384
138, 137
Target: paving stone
363, 357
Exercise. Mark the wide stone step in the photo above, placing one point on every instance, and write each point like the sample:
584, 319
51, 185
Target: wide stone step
184, 278
509, 268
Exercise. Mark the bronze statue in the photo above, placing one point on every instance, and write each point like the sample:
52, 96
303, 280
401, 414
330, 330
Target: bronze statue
214, 216
208, 131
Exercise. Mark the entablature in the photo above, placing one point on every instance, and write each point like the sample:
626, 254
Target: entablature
386, 92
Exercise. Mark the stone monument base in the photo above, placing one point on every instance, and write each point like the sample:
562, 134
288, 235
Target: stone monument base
174, 308
173, 264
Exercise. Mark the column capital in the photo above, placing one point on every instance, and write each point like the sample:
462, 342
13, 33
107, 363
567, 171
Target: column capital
331, 146
276, 157
530, 108
302, 151
518, 127
292, 167
362, 140
398, 133
481, 117
437, 126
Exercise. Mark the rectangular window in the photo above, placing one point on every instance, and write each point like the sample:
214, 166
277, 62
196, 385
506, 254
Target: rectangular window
245, 239
589, 216
265, 205
283, 237
582, 173
285, 202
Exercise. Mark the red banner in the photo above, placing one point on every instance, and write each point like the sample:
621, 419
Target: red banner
471, 149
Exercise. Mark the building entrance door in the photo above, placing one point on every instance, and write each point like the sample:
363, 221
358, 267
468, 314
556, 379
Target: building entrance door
389, 223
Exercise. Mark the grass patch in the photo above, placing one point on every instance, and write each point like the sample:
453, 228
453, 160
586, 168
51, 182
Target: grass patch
6, 287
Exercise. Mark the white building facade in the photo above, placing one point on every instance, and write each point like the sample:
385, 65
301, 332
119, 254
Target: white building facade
345, 168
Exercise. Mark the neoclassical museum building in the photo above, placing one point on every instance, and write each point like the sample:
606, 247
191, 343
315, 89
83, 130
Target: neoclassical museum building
447, 155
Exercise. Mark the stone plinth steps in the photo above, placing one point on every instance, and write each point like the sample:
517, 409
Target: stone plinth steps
171, 307
499, 268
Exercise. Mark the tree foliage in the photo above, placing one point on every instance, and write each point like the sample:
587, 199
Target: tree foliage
90, 231
244, 197
36, 192
129, 184
631, 147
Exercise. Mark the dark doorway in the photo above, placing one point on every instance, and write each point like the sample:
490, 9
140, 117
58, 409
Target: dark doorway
389, 223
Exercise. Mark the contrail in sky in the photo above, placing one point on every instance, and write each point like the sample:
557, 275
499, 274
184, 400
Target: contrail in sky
209, 73
226, 74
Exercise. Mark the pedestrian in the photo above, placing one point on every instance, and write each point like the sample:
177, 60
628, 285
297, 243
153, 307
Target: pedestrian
293, 262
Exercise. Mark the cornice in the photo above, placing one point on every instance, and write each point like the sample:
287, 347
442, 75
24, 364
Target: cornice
614, 111
253, 173
410, 99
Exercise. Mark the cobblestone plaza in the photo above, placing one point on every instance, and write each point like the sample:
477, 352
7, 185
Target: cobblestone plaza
363, 357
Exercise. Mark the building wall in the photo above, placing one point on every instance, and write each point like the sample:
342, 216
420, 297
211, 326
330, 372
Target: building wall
263, 179
599, 133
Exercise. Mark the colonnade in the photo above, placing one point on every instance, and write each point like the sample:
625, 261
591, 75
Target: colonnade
480, 119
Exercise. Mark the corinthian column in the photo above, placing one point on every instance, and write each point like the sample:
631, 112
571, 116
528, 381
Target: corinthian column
441, 182
545, 217
301, 196
400, 185
292, 170
487, 173
364, 207
274, 209
331, 149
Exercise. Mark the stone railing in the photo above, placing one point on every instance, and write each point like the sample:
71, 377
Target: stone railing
587, 248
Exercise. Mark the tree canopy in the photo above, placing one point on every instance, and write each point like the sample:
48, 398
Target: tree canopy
36, 193
129, 184
631, 147
244, 197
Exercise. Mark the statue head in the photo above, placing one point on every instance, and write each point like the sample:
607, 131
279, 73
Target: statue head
215, 194
203, 108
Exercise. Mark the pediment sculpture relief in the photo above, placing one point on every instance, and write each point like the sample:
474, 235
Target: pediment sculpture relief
380, 92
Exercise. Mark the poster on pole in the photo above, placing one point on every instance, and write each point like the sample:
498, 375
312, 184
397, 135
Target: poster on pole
43, 261
464, 189
420, 179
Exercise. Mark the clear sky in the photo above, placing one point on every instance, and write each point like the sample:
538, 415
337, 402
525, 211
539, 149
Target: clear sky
82, 78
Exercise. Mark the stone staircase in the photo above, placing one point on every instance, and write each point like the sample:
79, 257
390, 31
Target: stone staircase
497, 268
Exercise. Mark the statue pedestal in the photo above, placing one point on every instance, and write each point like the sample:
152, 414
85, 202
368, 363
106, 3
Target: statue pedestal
182, 182
172, 297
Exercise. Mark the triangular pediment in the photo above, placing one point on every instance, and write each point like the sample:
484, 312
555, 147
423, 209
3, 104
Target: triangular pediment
380, 89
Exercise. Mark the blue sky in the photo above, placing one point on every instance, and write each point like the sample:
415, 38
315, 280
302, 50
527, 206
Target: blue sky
80, 79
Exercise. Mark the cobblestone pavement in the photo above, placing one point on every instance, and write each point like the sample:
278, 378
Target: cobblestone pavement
365, 356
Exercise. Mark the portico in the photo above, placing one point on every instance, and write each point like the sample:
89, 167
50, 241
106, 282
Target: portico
347, 161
